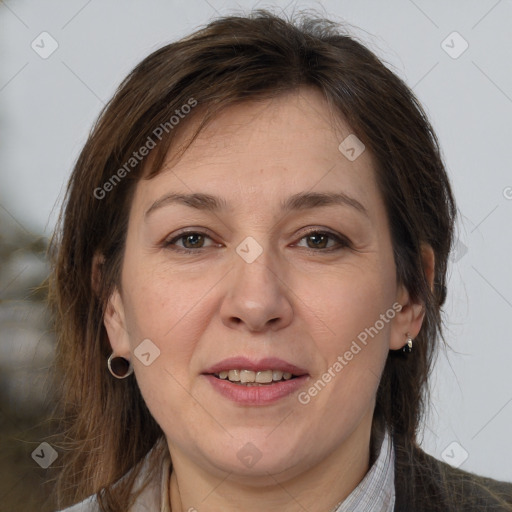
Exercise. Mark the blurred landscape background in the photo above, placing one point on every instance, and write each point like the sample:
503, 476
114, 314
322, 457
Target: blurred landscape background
26, 356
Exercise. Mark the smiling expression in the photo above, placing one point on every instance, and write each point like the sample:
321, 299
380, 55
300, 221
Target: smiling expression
262, 249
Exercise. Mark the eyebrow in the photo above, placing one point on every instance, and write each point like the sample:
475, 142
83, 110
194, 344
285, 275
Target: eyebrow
296, 202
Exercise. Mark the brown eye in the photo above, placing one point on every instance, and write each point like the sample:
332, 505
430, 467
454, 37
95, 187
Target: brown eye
320, 239
191, 240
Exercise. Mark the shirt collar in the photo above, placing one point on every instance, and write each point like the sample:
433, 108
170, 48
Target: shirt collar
375, 492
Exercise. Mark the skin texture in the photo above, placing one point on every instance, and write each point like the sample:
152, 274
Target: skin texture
295, 301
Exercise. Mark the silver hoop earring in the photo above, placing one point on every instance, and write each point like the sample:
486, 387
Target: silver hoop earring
407, 348
119, 367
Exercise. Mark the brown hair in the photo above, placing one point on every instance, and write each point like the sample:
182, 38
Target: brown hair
108, 429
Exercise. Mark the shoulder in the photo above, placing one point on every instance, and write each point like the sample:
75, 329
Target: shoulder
150, 486
479, 492
432, 485
90, 504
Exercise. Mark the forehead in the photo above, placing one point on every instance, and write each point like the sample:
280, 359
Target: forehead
264, 151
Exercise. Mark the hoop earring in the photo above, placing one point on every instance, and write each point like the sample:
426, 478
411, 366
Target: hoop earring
407, 348
119, 367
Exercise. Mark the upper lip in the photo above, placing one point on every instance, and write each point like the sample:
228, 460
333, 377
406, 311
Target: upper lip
243, 363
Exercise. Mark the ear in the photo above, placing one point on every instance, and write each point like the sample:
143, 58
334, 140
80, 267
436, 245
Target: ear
409, 319
114, 317
115, 324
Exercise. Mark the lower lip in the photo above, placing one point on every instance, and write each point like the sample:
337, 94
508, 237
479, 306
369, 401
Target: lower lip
256, 395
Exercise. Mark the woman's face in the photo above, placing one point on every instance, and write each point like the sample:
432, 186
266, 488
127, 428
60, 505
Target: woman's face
270, 278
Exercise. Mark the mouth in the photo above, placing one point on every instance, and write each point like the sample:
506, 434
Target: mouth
255, 382
251, 378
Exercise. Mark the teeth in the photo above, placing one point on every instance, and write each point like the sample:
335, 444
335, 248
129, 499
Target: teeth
277, 375
233, 375
264, 377
249, 377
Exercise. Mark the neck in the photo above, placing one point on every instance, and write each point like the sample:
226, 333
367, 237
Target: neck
319, 488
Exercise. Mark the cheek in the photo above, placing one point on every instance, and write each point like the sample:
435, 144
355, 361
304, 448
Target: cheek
160, 300
351, 311
170, 309
173, 309
347, 300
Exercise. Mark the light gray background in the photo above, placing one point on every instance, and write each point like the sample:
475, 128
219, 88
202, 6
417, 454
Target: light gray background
47, 107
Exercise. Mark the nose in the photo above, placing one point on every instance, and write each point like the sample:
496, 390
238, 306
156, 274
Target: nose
258, 297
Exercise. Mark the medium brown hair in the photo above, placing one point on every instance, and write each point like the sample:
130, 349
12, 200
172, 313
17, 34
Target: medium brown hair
108, 428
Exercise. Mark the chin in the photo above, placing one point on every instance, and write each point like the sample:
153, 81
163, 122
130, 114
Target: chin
258, 457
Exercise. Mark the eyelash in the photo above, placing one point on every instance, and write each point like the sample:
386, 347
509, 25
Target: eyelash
342, 241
